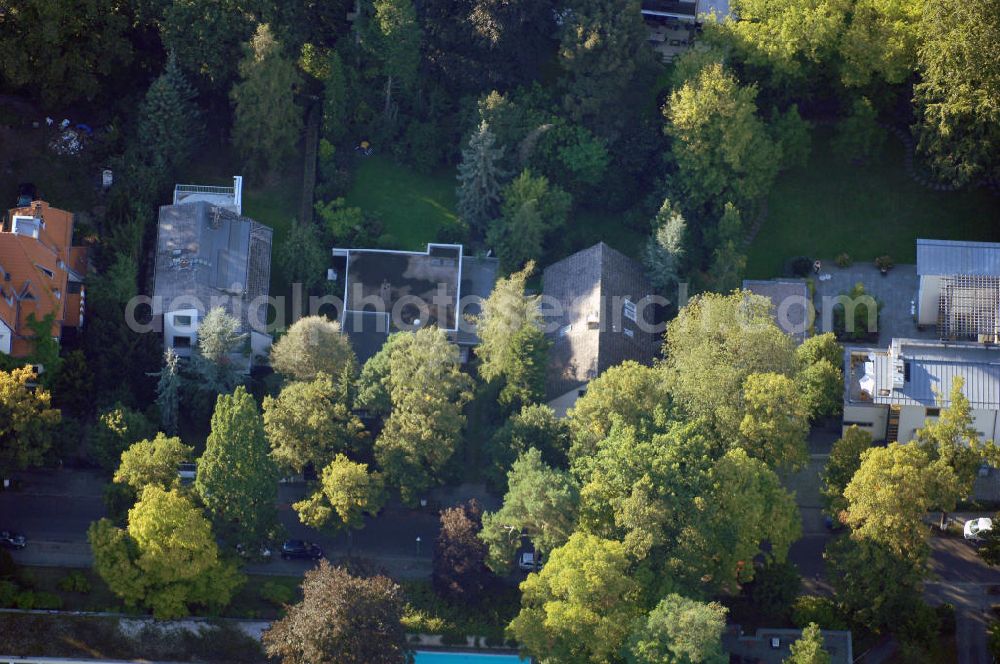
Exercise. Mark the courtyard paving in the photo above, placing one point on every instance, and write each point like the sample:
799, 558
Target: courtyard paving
896, 291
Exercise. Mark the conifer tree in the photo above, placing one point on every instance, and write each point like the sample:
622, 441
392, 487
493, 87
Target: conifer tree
479, 177
168, 392
169, 122
665, 248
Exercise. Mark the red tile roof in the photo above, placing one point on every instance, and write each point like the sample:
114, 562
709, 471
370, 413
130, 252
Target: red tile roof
35, 273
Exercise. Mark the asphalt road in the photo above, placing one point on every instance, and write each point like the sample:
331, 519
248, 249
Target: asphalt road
54, 508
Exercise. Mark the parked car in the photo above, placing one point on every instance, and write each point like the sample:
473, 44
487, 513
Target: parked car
27, 193
974, 527
187, 472
301, 550
526, 562
12, 540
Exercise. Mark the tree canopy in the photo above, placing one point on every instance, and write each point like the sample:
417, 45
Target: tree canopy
580, 606
236, 478
166, 559
347, 492
680, 631
313, 345
341, 618
152, 463
427, 390
27, 421
311, 421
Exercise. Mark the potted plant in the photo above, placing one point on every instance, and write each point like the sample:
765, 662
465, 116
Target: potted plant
884, 264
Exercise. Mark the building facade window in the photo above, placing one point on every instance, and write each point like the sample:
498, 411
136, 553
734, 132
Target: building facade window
629, 310
182, 342
182, 321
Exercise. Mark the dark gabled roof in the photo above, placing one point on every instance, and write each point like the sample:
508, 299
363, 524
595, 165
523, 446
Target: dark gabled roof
952, 257
588, 329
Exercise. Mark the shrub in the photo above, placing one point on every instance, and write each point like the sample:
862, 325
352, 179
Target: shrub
8, 593
45, 600
276, 593
884, 263
25, 600
800, 266
8, 568
74, 582
994, 642
820, 610
843, 260
946, 616
453, 637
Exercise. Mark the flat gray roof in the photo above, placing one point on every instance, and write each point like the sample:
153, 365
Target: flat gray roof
789, 301
929, 369
756, 648
951, 257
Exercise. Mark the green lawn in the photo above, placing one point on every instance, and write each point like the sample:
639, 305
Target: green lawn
832, 206
588, 227
413, 206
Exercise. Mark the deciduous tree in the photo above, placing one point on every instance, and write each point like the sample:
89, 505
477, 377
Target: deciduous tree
392, 35
114, 432
427, 390
373, 383
310, 422
859, 136
460, 571
341, 618
347, 492
808, 649
959, 120
166, 559
533, 427
580, 606
27, 422
775, 422
714, 344
679, 631
744, 507
601, 46
720, 144
237, 480
313, 345
532, 210
844, 461
631, 393
85, 43
512, 347
152, 463
890, 493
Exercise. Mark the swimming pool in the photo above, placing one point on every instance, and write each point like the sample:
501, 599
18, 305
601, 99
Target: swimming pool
427, 657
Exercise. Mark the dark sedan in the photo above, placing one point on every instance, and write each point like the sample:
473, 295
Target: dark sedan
300, 550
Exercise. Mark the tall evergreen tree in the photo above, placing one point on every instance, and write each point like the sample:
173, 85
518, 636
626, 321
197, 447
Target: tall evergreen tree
168, 392
809, 648
479, 178
665, 248
236, 479
169, 123
267, 122
219, 338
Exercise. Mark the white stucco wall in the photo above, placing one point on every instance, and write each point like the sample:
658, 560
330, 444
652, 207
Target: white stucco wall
927, 299
171, 330
871, 418
6, 338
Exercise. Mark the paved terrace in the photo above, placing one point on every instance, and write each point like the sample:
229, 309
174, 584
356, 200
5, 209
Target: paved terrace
896, 291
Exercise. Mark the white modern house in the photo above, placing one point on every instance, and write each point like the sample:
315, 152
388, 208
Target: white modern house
891, 392
208, 255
